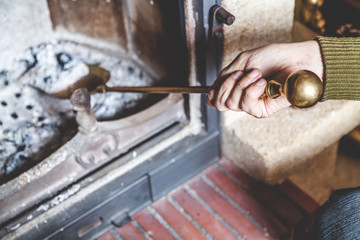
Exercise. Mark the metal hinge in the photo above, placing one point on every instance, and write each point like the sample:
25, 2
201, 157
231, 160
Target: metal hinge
218, 17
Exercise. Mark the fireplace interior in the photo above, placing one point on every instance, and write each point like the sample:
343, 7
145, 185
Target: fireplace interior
67, 164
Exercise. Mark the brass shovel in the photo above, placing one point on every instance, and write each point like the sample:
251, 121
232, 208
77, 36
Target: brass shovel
302, 88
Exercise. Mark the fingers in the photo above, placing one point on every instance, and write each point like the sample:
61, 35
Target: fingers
219, 94
233, 101
250, 102
228, 95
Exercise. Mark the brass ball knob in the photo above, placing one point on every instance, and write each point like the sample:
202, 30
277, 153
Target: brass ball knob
312, 4
302, 89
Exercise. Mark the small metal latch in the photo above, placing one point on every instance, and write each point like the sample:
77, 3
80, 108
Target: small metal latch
219, 16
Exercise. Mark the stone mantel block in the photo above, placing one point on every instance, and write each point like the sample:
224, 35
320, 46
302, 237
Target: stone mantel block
273, 148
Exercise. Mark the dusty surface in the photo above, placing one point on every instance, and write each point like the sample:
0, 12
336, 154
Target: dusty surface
273, 148
257, 23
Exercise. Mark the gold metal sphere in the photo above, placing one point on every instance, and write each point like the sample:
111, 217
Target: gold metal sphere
303, 88
312, 4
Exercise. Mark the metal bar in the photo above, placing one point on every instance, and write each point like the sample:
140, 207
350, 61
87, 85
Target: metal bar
152, 89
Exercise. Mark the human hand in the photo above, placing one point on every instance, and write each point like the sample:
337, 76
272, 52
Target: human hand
239, 85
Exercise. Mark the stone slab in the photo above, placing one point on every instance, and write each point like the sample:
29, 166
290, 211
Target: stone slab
272, 149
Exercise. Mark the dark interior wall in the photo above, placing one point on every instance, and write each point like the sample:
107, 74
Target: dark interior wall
148, 31
98, 19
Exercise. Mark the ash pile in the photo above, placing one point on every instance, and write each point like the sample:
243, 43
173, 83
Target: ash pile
33, 124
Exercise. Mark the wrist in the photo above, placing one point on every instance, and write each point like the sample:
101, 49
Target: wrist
314, 58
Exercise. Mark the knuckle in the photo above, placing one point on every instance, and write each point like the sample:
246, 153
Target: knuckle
220, 106
217, 105
247, 95
232, 104
221, 102
246, 109
250, 94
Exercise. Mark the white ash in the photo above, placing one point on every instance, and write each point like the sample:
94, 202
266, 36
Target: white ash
15, 227
62, 197
32, 121
59, 198
43, 208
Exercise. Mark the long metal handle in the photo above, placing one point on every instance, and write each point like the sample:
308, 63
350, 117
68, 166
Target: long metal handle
153, 89
302, 88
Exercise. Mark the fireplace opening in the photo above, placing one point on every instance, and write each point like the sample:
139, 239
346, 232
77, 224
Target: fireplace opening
34, 123
63, 162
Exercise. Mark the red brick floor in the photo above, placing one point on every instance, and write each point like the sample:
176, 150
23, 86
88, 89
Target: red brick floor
223, 202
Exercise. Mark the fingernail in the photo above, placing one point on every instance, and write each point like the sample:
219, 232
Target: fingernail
261, 82
237, 75
254, 73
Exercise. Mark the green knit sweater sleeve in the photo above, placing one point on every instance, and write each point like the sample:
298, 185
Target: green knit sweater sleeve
341, 57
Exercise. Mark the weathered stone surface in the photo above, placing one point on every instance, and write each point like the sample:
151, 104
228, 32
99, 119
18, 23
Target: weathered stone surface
258, 22
273, 148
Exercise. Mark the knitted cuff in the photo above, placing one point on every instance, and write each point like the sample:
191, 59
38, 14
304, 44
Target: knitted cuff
341, 58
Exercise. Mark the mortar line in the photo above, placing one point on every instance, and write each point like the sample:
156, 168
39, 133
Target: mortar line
141, 229
116, 234
235, 205
164, 223
188, 217
212, 211
238, 182
232, 177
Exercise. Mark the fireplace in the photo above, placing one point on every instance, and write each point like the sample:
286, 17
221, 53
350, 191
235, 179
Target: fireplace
120, 151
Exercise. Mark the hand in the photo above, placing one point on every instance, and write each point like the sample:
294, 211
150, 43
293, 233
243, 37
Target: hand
239, 85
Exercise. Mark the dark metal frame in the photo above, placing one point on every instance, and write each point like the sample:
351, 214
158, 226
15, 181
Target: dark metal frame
114, 203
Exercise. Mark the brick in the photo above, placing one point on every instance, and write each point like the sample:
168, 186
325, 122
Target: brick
298, 196
130, 232
107, 236
279, 203
223, 208
177, 220
247, 202
152, 226
198, 212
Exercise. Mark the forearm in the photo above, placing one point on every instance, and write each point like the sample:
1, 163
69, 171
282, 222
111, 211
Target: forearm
341, 58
